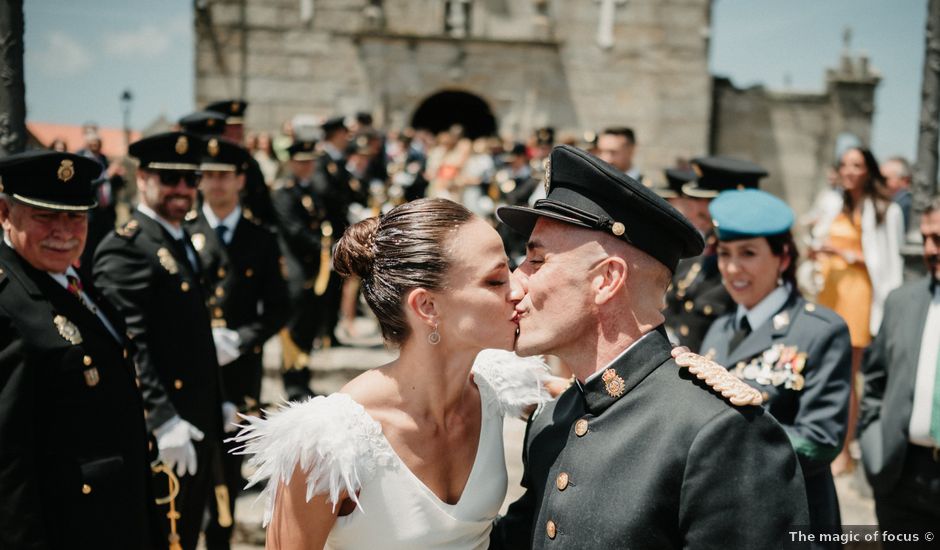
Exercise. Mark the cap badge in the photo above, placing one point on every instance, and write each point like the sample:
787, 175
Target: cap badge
547, 176
614, 385
234, 107
66, 171
210, 123
617, 229
697, 170
199, 241
67, 330
213, 147
182, 145
167, 261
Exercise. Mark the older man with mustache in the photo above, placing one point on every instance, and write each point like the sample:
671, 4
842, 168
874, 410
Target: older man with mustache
74, 464
150, 270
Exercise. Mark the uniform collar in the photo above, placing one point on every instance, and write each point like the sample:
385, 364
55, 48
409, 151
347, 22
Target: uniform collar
765, 309
229, 221
626, 371
175, 232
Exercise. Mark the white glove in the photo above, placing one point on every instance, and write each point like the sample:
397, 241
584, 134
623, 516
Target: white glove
227, 342
175, 440
229, 417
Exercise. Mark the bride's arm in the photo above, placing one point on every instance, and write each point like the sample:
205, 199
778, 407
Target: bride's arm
298, 524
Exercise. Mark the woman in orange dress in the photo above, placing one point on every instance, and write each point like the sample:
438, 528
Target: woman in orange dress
859, 254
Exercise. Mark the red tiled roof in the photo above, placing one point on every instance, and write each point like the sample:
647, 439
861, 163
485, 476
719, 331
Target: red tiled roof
112, 139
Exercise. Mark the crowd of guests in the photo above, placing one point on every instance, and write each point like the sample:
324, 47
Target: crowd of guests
230, 243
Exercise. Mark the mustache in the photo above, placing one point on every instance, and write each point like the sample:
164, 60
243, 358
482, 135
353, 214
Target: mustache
59, 244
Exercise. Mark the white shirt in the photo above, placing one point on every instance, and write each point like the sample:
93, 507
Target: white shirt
229, 221
919, 428
598, 372
765, 309
175, 231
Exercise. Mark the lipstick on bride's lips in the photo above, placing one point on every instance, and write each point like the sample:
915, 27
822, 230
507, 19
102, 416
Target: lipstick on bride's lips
515, 317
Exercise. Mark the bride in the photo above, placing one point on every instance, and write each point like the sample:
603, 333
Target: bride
408, 455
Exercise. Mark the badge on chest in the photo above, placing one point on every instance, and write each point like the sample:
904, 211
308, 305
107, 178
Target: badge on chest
781, 365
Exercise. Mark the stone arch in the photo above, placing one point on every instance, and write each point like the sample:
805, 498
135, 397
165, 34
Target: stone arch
442, 109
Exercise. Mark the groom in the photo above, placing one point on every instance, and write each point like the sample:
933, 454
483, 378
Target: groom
639, 453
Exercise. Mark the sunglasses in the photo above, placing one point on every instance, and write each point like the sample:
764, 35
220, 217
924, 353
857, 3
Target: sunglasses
172, 177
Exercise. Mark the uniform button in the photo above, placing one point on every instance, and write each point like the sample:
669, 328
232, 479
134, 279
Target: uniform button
137, 381
212, 301
810, 307
689, 304
125, 354
562, 481
178, 384
150, 445
684, 330
220, 272
217, 313
708, 310
220, 292
257, 349
86, 489
86, 360
581, 427
184, 286
249, 272
551, 529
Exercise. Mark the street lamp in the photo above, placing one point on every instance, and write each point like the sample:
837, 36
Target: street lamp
126, 98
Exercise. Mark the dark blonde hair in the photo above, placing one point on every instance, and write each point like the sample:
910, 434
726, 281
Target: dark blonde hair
403, 250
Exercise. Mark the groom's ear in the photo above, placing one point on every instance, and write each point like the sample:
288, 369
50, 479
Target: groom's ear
420, 303
608, 279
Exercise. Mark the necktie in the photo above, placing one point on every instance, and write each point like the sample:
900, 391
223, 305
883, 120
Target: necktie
740, 334
221, 230
75, 288
935, 411
183, 246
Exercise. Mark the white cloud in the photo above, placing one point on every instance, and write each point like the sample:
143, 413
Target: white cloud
62, 55
145, 42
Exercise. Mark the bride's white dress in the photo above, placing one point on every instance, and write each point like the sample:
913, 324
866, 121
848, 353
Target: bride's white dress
341, 448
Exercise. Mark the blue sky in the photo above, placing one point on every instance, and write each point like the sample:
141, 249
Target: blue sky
81, 54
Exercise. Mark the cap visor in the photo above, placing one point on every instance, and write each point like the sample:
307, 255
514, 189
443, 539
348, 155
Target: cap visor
694, 191
523, 219
46, 205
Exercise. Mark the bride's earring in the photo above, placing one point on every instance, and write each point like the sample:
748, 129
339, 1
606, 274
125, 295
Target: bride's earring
435, 337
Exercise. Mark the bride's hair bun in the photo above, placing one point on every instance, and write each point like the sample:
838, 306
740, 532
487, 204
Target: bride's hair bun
355, 251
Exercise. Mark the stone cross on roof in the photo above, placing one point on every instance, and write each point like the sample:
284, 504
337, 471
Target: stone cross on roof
605, 23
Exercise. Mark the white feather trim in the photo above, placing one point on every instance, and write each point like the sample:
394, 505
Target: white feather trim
337, 444
514, 382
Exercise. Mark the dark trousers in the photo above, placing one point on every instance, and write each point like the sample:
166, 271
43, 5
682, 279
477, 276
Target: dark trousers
191, 501
913, 507
218, 537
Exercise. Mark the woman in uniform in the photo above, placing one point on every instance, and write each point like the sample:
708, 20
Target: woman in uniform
796, 353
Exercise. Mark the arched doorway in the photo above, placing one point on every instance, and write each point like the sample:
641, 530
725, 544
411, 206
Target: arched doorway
444, 109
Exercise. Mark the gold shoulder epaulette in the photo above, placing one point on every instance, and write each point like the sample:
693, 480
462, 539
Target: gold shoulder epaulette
129, 229
192, 215
720, 380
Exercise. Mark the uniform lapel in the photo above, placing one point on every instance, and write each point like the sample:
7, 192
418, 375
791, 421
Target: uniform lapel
763, 337
627, 371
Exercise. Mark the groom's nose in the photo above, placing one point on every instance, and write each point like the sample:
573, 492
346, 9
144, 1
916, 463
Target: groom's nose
517, 285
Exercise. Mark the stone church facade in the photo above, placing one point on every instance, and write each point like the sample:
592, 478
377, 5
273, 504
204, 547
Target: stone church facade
510, 66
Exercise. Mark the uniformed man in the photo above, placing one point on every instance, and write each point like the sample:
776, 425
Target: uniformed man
151, 272
247, 298
205, 124
74, 461
617, 145
696, 297
306, 236
256, 197
637, 453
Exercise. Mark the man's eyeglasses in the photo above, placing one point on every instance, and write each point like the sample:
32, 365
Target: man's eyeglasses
172, 177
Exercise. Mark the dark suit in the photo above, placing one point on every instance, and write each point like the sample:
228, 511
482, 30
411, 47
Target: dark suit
147, 275
247, 295
74, 462
695, 299
669, 464
800, 360
901, 474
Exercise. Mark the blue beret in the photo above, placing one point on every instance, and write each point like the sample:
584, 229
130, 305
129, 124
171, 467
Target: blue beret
587, 192
749, 213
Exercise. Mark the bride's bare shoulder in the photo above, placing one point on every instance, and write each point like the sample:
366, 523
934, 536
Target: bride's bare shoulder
372, 389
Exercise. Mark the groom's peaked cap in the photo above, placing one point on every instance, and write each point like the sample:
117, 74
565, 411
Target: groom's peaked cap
587, 192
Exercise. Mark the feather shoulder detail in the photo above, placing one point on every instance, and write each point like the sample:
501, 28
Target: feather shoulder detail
337, 444
510, 383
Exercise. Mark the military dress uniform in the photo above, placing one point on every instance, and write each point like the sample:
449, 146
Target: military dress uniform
246, 294
697, 298
74, 460
306, 236
798, 357
157, 284
637, 456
